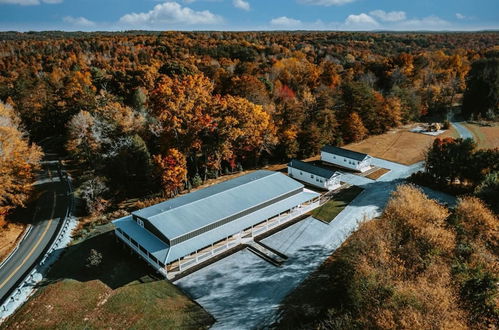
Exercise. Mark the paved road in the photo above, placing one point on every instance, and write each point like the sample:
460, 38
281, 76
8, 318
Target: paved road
45, 215
462, 130
242, 291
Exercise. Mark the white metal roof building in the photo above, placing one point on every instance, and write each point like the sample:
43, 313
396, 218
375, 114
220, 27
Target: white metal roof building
314, 175
173, 230
346, 158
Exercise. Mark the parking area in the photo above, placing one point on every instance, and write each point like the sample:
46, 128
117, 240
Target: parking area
244, 291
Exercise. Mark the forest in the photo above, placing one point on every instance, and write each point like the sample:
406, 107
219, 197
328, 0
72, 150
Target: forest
158, 112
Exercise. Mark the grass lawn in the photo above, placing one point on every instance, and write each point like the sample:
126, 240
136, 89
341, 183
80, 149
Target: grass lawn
487, 137
399, 145
377, 174
332, 208
121, 292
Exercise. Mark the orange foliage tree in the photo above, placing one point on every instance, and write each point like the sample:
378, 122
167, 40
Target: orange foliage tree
172, 171
18, 160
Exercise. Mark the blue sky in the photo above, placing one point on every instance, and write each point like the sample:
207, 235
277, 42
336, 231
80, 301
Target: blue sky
91, 15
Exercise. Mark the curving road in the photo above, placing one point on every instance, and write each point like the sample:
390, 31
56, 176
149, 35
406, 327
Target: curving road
45, 216
462, 130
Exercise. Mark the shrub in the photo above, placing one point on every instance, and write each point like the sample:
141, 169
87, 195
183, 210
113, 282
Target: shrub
197, 181
92, 192
94, 259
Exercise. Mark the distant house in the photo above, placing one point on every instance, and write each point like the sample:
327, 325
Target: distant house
314, 175
184, 231
346, 158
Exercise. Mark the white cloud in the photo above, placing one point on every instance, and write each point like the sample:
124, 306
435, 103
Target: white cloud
170, 13
241, 4
426, 23
326, 3
460, 16
393, 16
285, 22
78, 21
360, 21
28, 2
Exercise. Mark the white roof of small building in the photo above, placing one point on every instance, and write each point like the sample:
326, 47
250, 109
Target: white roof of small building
313, 169
345, 153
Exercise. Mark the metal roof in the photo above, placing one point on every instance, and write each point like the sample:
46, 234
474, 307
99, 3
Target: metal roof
191, 245
167, 254
150, 242
184, 214
311, 168
345, 153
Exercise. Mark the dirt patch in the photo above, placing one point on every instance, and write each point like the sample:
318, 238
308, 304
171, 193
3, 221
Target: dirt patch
487, 137
377, 174
399, 145
10, 233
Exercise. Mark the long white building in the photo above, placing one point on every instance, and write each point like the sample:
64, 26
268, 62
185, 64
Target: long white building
346, 158
182, 232
314, 175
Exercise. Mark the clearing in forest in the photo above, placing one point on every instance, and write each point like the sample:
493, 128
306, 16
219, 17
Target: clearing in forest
487, 137
398, 145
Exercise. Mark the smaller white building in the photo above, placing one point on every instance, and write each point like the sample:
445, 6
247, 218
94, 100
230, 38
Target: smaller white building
314, 175
346, 158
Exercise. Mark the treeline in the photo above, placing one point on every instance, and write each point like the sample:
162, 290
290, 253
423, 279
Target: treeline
420, 265
177, 108
456, 166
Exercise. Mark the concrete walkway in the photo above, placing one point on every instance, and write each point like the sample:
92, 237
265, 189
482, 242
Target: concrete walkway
242, 291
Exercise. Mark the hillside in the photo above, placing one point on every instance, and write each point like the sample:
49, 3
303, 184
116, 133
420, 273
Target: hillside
420, 265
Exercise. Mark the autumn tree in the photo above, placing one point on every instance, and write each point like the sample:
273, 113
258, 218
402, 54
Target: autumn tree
447, 159
172, 171
86, 135
241, 130
482, 92
182, 106
353, 128
18, 161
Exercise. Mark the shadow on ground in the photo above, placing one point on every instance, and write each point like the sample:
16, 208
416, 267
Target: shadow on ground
116, 268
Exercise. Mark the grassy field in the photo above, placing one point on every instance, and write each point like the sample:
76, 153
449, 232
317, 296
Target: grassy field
332, 208
487, 137
398, 145
121, 292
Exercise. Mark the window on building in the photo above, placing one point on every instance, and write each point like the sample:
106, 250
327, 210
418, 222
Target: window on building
140, 222
334, 157
311, 176
344, 159
301, 173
